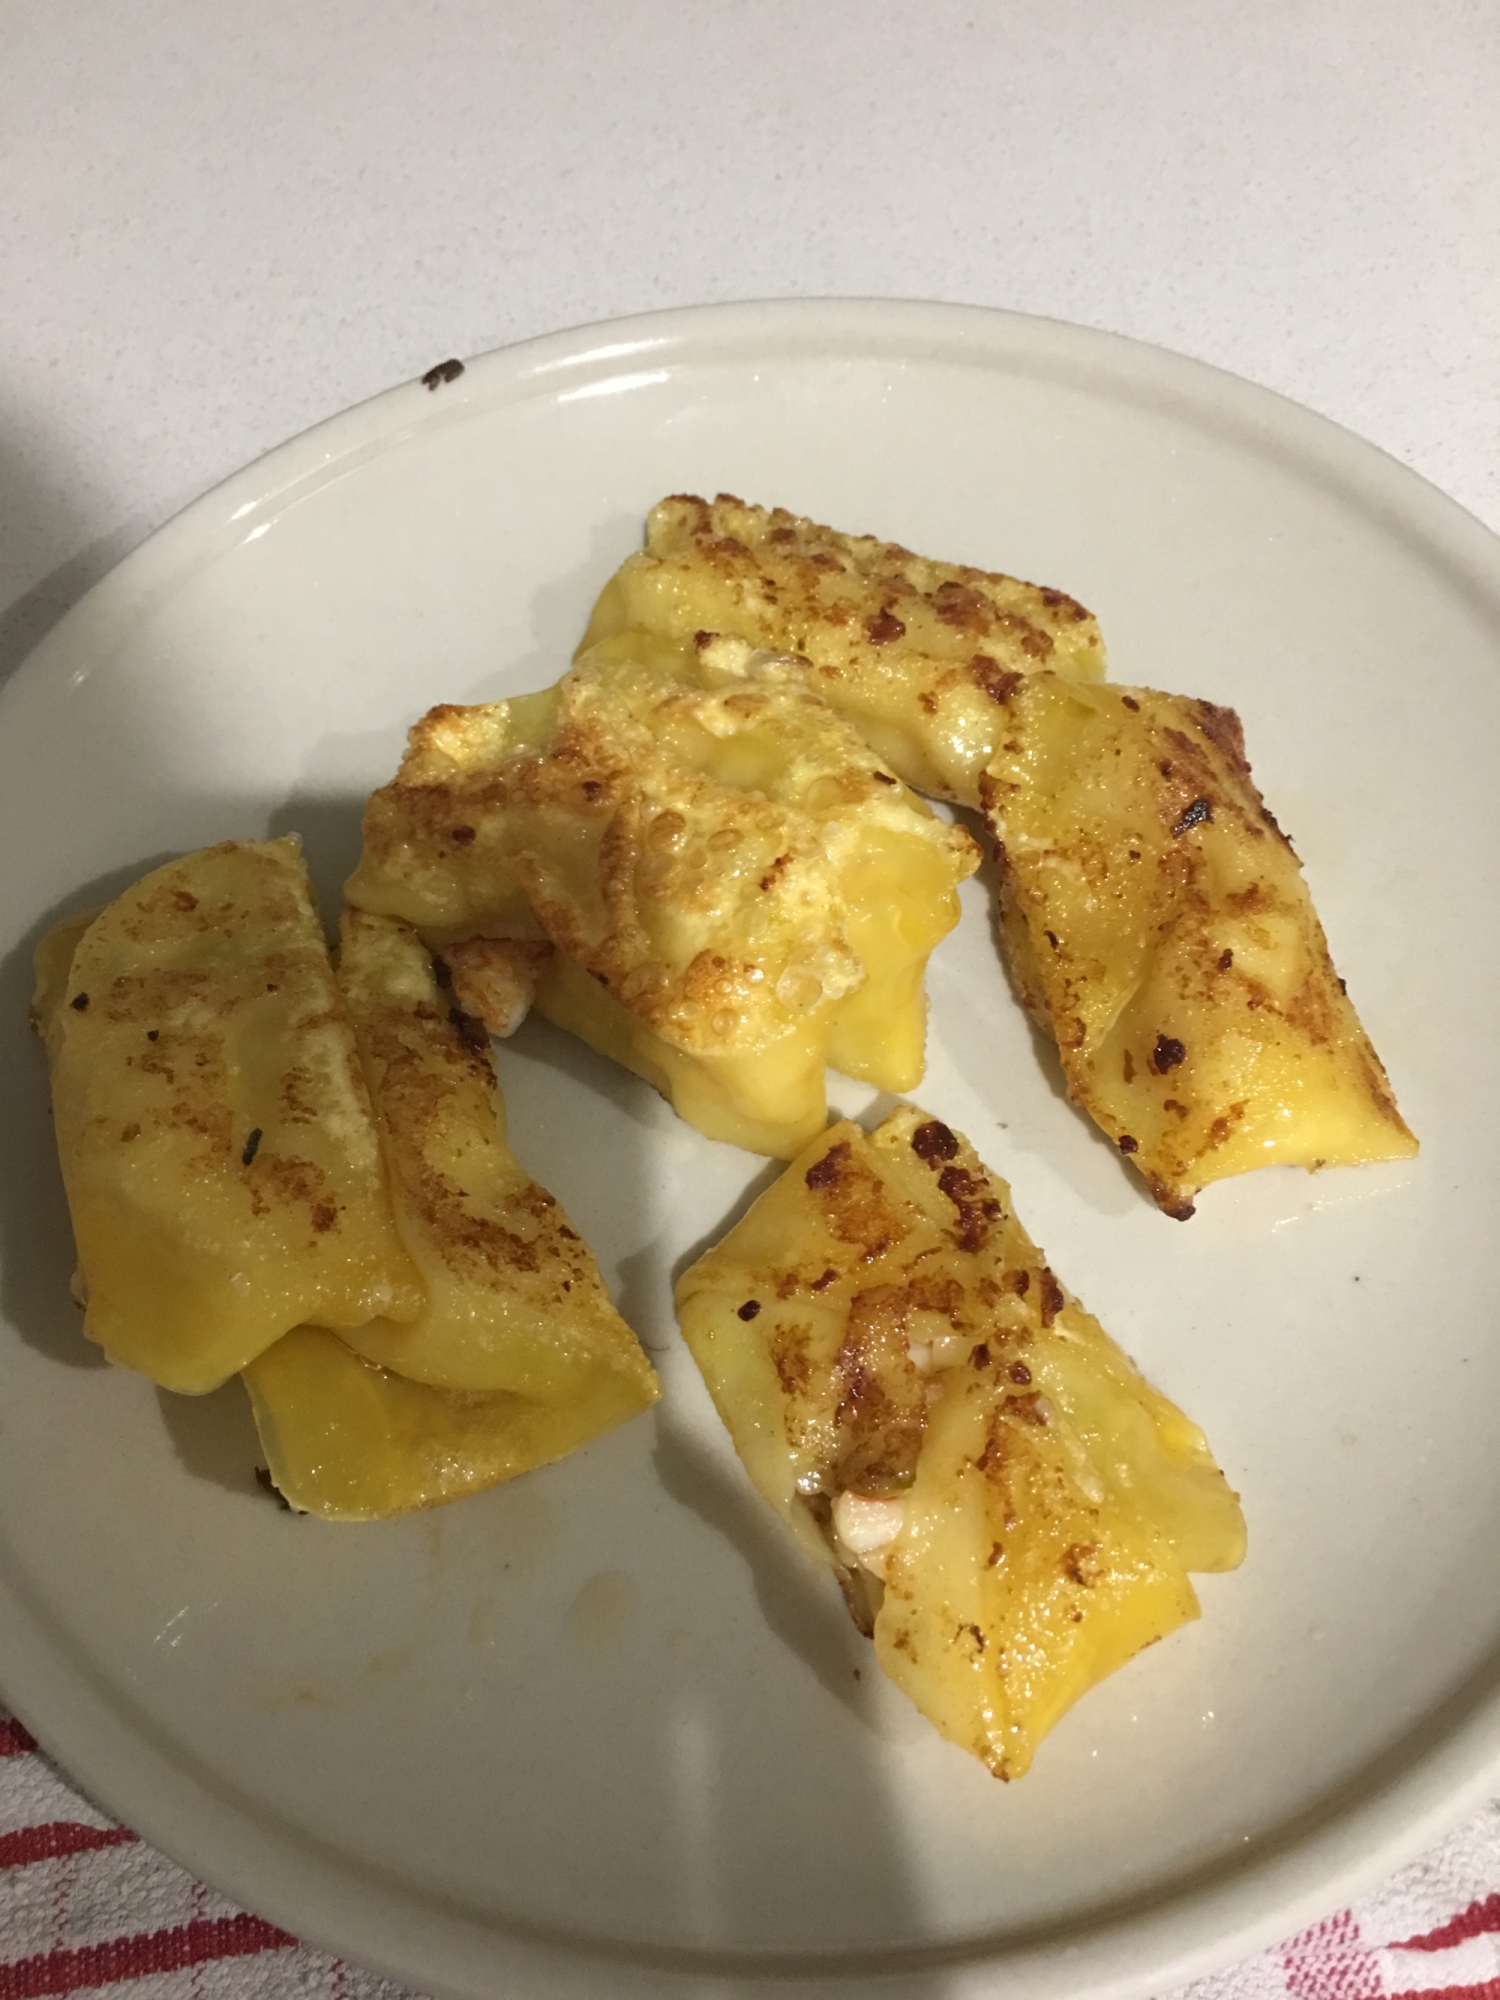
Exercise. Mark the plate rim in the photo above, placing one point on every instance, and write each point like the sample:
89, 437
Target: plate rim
1212, 1923
381, 421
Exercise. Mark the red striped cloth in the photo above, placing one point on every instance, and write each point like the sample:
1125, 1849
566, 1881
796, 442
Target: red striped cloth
85, 1906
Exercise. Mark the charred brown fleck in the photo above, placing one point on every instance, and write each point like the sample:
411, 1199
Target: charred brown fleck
885, 627
1019, 1373
267, 1484
251, 1148
1180, 1211
977, 1208
1127, 1144
829, 1277
1131, 703
980, 1358
1199, 813
933, 1141
825, 1173
1081, 1564
462, 836
1167, 1054
472, 1032
441, 372
80, 1002
1226, 959
749, 1309
1053, 1298
998, 682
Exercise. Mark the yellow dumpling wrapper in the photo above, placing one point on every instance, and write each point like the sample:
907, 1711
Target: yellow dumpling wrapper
349, 1441
916, 654
735, 889
513, 1298
1012, 1510
1160, 927
213, 1126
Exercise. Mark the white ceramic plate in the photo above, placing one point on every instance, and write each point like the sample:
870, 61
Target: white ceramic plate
602, 1731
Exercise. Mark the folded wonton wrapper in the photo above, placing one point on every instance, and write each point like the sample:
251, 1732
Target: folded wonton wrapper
217, 1145
1011, 1509
1160, 928
512, 1296
227, 1171
736, 890
350, 1441
915, 654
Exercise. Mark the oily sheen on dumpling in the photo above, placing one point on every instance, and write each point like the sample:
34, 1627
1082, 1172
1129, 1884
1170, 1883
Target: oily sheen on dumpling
350, 1441
512, 1297
217, 1146
516, 1356
1160, 927
734, 888
914, 653
1010, 1507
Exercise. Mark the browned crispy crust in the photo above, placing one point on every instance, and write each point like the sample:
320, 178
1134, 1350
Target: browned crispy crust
915, 652
1159, 927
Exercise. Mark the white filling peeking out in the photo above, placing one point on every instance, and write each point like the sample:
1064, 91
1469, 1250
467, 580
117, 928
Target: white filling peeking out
867, 1528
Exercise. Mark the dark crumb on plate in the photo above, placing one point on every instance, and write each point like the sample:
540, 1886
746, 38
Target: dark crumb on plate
264, 1480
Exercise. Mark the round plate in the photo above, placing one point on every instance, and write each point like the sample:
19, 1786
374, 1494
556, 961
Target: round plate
602, 1731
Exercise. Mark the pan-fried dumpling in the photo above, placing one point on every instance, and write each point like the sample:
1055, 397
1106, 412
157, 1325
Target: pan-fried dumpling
1159, 926
736, 890
213, 1125
1011, 1509
513, 1297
